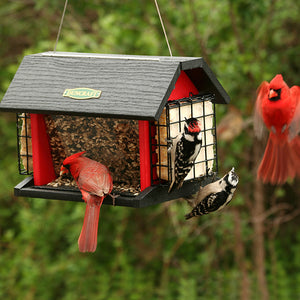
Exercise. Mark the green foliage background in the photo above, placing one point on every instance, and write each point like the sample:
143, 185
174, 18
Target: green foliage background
249, 251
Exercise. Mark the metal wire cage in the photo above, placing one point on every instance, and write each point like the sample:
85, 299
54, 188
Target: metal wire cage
171, 123
24, 144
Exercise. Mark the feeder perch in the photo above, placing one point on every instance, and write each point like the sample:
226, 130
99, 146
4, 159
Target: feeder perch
121, 110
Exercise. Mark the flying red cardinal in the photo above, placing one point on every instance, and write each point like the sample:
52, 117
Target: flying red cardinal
278, 107
95, 182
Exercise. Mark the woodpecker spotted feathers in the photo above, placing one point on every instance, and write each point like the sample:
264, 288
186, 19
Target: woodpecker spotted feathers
214, 196
184, 150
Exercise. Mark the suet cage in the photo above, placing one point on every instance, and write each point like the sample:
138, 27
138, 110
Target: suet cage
125, 117
171, 123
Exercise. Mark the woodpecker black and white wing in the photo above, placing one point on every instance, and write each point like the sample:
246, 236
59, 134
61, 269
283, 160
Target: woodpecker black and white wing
172, 151
215, 196
209, 204
182, 165
184, 150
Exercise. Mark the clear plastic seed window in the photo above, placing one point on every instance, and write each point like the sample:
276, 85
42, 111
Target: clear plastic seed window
112, 142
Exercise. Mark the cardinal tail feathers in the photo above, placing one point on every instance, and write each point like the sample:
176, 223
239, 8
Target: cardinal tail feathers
295, 144
87, 241
280, 161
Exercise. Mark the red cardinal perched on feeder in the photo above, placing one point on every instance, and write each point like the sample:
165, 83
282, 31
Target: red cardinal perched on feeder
278, 106
95, 182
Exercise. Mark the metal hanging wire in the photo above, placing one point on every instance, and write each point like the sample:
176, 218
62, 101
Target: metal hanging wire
158, 12
60, 25
163, 27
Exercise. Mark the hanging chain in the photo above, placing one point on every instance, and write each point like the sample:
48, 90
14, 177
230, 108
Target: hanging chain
163, 27
60, 25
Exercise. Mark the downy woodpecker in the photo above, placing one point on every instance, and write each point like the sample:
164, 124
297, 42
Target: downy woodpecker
215, 195
184, 150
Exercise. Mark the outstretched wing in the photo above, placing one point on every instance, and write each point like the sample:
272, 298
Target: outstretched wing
294, 129
259, 127
210, 203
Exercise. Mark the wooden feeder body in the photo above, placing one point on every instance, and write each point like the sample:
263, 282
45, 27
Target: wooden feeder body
143, 103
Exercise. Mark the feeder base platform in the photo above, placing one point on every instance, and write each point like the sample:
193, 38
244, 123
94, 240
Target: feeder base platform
150, 196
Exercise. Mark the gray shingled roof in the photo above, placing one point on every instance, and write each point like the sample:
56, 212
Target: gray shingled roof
135, 87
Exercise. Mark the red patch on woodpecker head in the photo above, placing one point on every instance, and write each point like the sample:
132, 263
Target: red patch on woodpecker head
194, 126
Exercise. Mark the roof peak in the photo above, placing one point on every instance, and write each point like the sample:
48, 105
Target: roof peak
115, 56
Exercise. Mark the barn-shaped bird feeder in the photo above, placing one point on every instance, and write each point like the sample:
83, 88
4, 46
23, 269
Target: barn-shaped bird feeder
122, 110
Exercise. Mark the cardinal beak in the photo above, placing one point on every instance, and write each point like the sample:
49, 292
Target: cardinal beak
63, 171
272, 94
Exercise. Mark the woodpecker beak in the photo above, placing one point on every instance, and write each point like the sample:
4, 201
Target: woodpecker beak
273, 94
63, 171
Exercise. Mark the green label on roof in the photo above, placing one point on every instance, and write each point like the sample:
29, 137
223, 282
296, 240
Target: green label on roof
82, 93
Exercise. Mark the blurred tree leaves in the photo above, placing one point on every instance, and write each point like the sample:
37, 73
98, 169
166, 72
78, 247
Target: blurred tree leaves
154, 253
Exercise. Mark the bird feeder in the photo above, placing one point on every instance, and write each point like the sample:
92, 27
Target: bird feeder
122, 110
